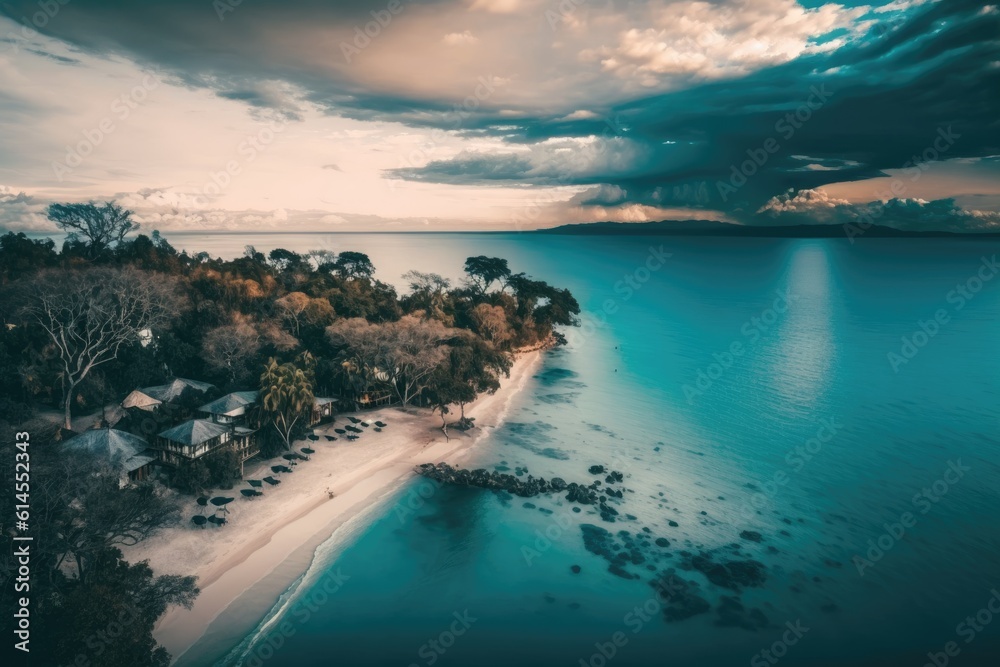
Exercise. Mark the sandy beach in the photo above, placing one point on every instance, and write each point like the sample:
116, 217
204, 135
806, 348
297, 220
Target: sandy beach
292, 519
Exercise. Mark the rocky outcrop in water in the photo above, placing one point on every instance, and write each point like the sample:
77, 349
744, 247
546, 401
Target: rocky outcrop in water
525, 487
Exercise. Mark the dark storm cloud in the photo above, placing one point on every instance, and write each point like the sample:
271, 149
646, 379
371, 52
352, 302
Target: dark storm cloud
882, 101
929, 89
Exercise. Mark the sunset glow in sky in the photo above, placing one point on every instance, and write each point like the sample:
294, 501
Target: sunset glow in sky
500, 114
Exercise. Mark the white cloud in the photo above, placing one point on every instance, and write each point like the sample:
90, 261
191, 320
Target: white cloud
465, 38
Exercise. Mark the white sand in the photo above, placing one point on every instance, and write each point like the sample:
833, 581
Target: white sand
264, 532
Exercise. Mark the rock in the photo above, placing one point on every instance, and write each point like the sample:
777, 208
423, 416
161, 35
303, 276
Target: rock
662, 542
734, 575
529, 506
733, 614
680, 598
673, 524
575, 569
752, 535
596, 470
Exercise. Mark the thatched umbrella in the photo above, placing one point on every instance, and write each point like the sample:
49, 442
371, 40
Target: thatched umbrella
272, 481
277, 469
218, 521
254, 483
199, 520
250, 493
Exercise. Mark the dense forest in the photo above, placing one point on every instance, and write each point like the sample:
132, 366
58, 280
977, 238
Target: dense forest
114, 309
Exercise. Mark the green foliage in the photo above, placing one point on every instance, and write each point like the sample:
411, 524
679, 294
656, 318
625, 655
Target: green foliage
286, 397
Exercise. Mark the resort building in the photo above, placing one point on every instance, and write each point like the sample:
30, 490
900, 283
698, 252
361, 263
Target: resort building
151, 398
127, 453
233, 410
323, 410
191, 440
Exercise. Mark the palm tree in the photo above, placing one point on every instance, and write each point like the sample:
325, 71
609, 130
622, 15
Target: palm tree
286, 396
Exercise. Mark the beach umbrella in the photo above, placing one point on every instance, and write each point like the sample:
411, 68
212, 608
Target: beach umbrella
203, 501
378, 429
354, 420
250, 493
352, 437
199, 520
314, 438
254, 483
288, 457
381, 424
272, 481
221, 502
285, 469
218, 521
276, 469
331, 438
354, 429
340, 431
307, 450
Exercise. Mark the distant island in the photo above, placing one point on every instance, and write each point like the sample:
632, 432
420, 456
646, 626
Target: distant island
717, 228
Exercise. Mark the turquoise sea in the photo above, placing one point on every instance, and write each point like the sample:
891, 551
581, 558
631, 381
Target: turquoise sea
839, 402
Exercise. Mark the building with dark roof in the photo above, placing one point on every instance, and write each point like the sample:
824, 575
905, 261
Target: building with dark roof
126, 452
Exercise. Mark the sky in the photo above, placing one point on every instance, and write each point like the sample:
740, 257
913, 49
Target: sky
260, 115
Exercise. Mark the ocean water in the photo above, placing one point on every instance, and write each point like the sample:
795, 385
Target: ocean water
738, 385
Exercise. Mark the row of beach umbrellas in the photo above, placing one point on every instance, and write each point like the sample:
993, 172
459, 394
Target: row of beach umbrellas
352, 432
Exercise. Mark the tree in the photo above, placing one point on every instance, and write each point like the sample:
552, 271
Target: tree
429, 294
484, 271
298, 308
99, 227
412, 349
352, 265
491, 323
286, 398
231, 348
89, 315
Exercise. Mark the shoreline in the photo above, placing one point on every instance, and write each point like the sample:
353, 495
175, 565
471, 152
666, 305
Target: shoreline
266, 535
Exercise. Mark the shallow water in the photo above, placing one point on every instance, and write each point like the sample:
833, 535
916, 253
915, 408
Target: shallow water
808, 435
